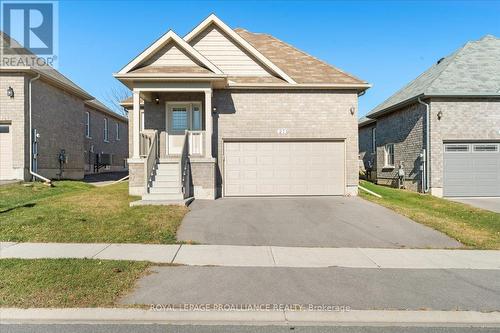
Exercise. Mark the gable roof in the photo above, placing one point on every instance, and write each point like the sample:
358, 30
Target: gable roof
170, 36
212, 19
302, 67
289, 67
473, 70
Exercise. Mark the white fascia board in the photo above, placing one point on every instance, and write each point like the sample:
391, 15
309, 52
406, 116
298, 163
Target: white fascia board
242, 42
169, 36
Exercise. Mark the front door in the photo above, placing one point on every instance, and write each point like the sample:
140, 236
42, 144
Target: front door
181, 116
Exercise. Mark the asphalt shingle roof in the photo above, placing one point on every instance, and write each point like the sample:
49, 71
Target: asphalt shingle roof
300, 66
473, 70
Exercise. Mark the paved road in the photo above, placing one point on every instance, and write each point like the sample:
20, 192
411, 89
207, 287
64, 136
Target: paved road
358, 288
492, 204
305, 221
136, 328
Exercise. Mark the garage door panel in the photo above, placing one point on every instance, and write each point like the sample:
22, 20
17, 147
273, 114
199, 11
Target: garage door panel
472, 172
284, 168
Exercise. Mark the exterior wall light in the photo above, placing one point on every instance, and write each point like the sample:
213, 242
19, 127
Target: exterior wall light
157, 100
352, 110
214, 109
10, 92
440, 115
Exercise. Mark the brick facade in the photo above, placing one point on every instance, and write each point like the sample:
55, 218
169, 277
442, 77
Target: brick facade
58, 117
13, 111
405, 129
258, 114
115, 146
304, 113
462, 119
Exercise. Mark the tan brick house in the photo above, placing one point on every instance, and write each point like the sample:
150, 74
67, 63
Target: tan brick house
223, 112
443, 128
55, 109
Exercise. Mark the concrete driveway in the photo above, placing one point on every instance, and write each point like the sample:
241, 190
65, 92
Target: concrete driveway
305, 221
492, 204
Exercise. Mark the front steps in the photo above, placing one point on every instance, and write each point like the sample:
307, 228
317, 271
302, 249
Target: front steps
165, 186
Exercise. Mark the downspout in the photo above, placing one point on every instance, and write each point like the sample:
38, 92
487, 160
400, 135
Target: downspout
427, 144
35, 175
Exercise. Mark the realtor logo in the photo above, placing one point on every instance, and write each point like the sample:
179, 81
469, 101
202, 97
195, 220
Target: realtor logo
31, 25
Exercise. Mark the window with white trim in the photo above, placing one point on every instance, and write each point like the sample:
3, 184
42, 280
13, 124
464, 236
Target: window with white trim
374, 140
486, 148
389, 155
87, 124
456, 148
118, 131
106, 130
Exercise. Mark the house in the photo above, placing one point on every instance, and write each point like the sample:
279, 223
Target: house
443, 128
234, 113
70, 130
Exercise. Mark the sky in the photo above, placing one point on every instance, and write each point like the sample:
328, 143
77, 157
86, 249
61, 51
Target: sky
387, 43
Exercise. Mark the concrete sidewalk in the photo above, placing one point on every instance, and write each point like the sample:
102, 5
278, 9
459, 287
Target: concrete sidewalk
274, 317
260, 256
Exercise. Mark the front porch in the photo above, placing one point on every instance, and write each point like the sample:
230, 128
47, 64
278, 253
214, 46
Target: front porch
171, 144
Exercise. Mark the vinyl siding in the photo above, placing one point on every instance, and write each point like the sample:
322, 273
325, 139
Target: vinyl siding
217, 47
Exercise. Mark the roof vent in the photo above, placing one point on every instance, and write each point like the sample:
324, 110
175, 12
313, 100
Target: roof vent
439, 61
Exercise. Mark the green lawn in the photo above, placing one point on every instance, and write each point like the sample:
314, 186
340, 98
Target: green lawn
77, 212
66, 282
474, 227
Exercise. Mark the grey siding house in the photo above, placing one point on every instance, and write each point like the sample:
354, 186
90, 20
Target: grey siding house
443, 128
223, 112
54, 108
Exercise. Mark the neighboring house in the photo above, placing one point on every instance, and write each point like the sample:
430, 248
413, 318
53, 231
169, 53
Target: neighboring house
234, 113
460, 153
367, 146
58, 110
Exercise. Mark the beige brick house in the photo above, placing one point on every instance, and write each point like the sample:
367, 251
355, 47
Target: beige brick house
57, 111
443, 128
223, 112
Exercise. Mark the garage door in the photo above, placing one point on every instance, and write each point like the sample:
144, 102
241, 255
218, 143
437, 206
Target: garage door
284, 168
6, 153
471, 169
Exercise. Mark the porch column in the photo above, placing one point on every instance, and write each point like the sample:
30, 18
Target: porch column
208, 123
136, 125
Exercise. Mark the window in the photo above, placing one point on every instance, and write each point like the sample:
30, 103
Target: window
196, 126
106, 130
87, 124
179, 119
456, 148
389, 155
374, 142
486, 148
117, 131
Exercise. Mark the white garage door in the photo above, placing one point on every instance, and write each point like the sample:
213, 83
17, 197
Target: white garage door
471, 169
6, 171
284, 168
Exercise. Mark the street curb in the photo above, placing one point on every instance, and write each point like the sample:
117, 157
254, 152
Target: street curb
297, 318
